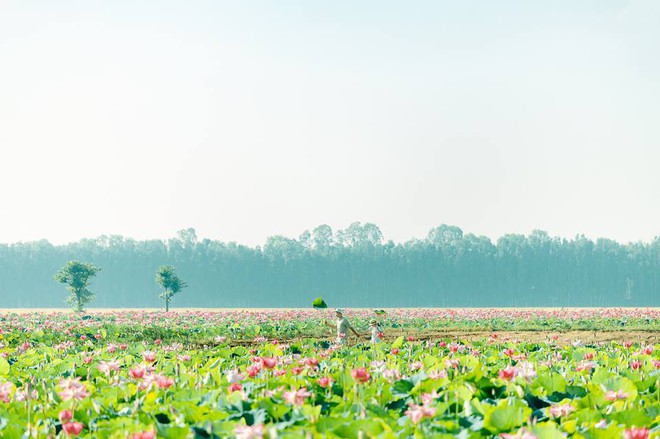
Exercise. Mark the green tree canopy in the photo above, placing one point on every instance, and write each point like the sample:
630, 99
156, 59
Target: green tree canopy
77, 275
167, 278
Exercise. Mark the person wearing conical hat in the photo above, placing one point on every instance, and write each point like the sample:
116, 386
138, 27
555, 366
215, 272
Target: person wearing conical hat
376, 331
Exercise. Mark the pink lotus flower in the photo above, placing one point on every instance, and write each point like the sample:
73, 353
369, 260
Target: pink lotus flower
311, 362
588, 356
144, 435
419, 412
637, 433
656, 364
72, 389
647, 350
611, 395
411, 338
249, 432
234, 376
137, 372
559, 411
635, 364
437, 374
296, 370
5, 391
325, 382
253, 370
269, 362
429, 398
507, 374
73, 428
164, 382
65, 416
235, 387
525, 370
509, 352
279, 372
360, 375
296, 397
123, 346
107, 366
442, 344
394, 351
149, 356
588, 365
158, 341
627, 344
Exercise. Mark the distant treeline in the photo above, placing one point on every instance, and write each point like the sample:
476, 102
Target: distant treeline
353, 267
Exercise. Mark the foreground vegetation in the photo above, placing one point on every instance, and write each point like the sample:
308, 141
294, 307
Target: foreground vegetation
278, 374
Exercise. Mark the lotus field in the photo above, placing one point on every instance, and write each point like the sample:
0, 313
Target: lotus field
537, 373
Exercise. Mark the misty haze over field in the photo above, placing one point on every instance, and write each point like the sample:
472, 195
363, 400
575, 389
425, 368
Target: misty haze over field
353, 267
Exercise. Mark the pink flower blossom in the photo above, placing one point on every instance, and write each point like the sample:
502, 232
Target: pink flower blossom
419, 412
611, 395
296, 397
437, 374
73, 428
559, 411
507, 374
107, 366
249, 432
5, 391
360, 375
269, 362
637, 433
65, 416
137, 372
72, 389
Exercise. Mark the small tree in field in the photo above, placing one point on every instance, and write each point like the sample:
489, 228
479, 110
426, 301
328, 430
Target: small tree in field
77, 275
167, 278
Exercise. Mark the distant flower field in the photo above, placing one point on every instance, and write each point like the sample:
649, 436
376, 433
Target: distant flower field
278, 373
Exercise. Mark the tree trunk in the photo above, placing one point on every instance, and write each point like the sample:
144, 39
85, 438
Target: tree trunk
167, 305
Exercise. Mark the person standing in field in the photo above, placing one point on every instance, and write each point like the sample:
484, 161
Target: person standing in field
376, 331
343, 326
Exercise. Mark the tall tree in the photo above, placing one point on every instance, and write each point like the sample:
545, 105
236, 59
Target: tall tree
77, 275
167, 278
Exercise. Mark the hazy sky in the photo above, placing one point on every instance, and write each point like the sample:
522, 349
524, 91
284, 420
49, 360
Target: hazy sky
245, 119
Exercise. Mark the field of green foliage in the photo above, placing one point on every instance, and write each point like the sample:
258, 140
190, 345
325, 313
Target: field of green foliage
279, 374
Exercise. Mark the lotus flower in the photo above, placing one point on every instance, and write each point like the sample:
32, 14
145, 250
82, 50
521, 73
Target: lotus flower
296, 397
249, 432
637, 433
137, 372
419, 412
360, 375
73, 428
65, 416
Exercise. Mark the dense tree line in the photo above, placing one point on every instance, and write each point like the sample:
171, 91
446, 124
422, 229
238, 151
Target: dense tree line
353, 267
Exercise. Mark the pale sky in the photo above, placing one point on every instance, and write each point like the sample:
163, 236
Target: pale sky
246, 119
